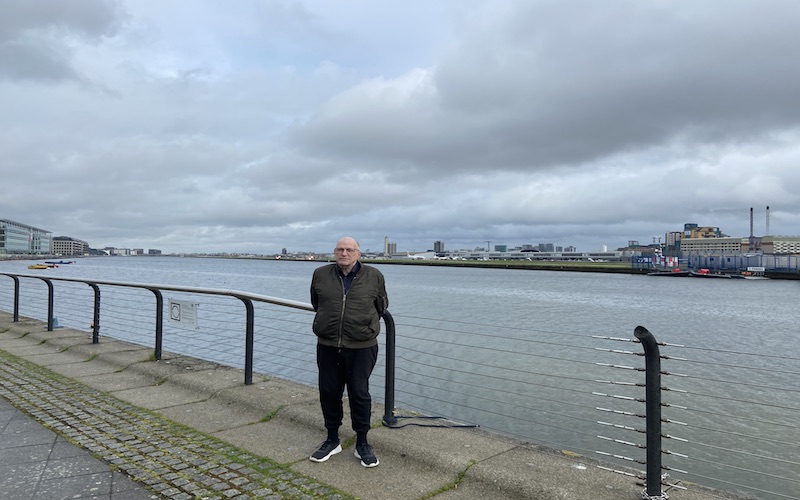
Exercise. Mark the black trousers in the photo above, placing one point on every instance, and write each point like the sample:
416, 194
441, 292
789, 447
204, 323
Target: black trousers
340, 368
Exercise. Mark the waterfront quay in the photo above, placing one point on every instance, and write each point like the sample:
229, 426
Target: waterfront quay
186, 428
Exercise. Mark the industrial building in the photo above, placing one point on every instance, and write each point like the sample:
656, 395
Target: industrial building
708, 247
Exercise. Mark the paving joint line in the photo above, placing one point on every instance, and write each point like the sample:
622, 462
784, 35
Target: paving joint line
172, 460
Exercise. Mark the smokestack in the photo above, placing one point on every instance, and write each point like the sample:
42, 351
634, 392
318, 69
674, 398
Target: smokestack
751, 222
767, 229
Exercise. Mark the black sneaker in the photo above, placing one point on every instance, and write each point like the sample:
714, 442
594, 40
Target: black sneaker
368, 458
326, 451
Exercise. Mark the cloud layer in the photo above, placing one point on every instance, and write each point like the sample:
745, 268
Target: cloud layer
251, 127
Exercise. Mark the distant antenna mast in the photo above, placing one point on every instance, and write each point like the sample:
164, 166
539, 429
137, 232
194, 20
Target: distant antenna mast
767, 229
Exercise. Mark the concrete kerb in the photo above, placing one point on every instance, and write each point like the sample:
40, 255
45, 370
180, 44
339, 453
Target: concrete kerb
283, 418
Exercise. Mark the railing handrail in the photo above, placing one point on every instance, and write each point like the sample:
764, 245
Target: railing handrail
176, 288
245, 297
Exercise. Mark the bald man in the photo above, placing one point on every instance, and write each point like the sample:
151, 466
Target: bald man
349, 298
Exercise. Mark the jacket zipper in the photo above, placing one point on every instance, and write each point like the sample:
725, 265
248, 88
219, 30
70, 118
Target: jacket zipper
344, 305
341, 317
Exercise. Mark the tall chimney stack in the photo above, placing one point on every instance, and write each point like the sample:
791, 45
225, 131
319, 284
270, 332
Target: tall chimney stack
767, 228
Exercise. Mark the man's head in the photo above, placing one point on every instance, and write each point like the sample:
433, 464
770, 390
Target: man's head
347, 253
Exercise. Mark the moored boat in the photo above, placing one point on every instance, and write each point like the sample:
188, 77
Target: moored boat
706, 273
38, 266
675, 273
753, 273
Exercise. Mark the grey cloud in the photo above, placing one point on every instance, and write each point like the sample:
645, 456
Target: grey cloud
34, 35
542, 84
92, 18
30, 60
256, 125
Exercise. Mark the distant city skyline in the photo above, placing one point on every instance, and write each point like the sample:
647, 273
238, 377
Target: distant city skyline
490, 245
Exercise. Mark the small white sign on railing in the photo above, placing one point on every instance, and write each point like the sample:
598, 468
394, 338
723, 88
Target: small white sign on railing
183, 313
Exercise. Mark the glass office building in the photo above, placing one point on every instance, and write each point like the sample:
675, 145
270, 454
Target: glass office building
21, 239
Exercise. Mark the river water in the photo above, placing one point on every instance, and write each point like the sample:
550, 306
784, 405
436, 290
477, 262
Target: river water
725, 323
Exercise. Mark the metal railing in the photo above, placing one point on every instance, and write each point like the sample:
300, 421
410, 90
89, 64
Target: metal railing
653, 476
246, 298
735, 411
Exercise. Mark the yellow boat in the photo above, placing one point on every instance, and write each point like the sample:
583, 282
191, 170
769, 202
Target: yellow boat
38, 266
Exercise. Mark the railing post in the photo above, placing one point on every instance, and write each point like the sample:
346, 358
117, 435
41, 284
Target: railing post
159, 322
653, 412
388, 413
16, 298
96, 314
248, 341
50, 300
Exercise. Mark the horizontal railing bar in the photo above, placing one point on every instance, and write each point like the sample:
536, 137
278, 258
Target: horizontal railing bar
175, 288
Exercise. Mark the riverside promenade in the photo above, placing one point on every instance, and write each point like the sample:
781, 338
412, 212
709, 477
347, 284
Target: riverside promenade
185, 428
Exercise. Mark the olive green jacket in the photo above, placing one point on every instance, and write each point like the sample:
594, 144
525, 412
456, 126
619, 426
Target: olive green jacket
351, 320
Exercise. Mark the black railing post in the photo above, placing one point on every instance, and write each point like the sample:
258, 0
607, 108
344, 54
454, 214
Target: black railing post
249, 340
50, 300
96, 314
16, 298
653, 412
159, 322
391, 336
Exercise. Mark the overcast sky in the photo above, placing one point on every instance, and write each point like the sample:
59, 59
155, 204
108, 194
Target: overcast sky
257, 125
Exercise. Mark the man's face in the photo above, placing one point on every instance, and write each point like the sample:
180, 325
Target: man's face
346, 253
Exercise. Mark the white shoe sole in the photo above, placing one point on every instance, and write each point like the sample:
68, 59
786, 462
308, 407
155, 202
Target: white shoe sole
377, 462
333, 452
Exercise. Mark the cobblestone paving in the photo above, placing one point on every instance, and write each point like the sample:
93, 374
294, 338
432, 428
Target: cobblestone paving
172, 460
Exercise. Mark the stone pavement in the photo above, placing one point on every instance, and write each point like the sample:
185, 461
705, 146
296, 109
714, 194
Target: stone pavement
185, 428
37, 463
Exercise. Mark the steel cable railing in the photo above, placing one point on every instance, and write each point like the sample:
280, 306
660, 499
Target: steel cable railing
721, 430
543, 386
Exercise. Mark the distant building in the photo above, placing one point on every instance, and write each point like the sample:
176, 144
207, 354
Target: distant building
535, 254
547, 247
65, 245
501, 248
714, 245
17, 238
672, 243
781, 245
438, 246
154, 251
692, 230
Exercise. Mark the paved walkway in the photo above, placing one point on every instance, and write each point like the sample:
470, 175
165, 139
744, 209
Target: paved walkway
36, 463
184, 428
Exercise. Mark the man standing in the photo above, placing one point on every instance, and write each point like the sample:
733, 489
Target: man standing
349, 298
